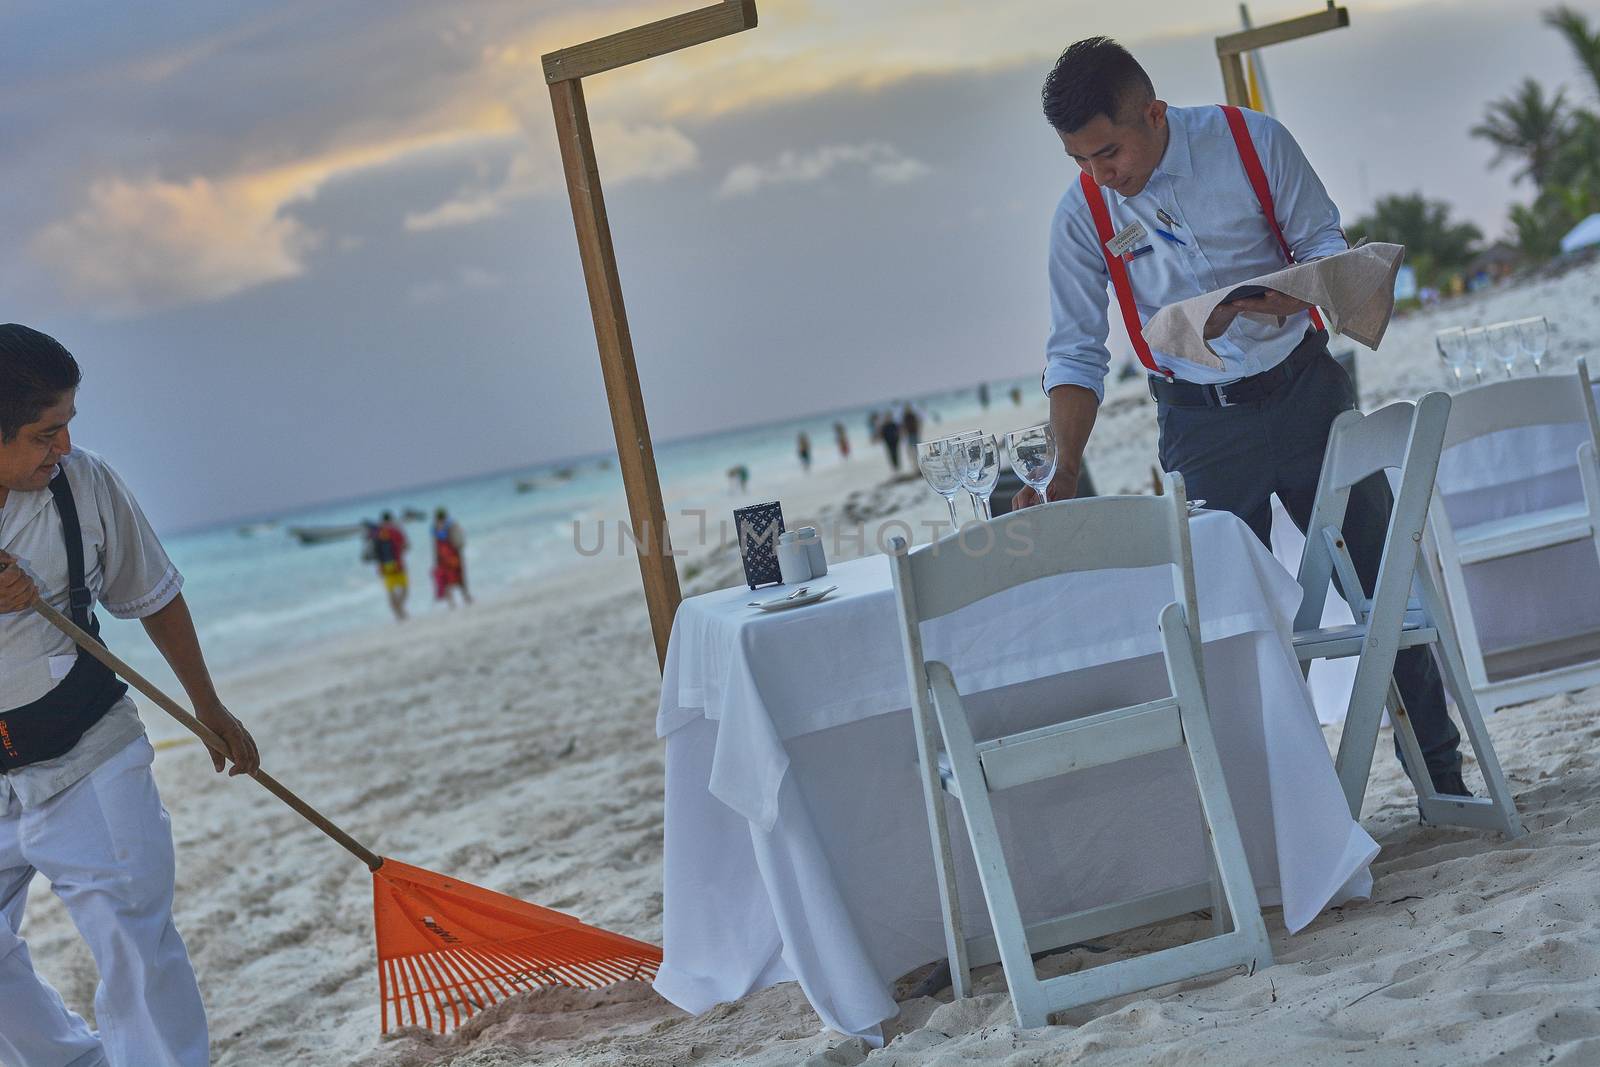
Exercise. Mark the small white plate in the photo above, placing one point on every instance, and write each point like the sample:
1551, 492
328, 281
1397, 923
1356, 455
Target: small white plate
789, 600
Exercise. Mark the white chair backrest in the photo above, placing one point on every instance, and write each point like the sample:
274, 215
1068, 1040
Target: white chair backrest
1518, 402
1403, 436
1097, 533
1362, 445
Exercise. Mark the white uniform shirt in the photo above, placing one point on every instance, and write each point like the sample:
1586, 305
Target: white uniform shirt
130, 576
1201, 184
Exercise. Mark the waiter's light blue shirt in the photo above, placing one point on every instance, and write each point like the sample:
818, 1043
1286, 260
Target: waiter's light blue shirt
1201, 184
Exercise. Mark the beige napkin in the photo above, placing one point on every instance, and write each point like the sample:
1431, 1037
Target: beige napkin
1354, 289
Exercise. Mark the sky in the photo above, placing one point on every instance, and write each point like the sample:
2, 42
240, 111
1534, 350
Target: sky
308, 251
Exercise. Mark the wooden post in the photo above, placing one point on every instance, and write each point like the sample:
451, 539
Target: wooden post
1232, 46
564, 71
635, 454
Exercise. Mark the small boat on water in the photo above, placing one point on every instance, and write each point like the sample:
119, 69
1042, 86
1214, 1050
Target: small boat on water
316, 535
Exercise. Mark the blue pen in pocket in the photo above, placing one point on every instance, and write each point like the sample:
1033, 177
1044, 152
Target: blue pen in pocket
1174, 238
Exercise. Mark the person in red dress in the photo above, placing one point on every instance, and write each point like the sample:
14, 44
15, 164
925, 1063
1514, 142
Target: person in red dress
449, 562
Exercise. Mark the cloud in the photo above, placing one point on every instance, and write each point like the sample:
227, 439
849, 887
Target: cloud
466, 279
883, 163
626, 152
151, 244
137, 245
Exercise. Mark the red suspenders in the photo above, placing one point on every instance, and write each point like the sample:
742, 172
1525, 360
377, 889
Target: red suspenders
1119, 271
1258, 181
1119, 276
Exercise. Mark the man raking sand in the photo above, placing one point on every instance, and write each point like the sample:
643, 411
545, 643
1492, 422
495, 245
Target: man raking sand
78, 803
81, 805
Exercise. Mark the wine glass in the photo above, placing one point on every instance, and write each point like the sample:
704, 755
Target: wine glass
1032, 451
1533, 337
962, 437
1478, 348
981, 470
967, 463
942, 466
1502, 338
1452, 345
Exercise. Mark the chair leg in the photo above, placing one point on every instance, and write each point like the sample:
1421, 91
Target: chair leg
1221, 919
955, 937
1236, 889
1504, 816
1362, 718
1028, 998
1416, 765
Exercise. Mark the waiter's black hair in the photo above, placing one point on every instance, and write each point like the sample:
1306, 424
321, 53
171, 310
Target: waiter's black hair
1092, 77
35, 369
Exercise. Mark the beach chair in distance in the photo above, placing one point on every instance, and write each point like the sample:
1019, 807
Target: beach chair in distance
1488, 409
1079, 535
1408, 438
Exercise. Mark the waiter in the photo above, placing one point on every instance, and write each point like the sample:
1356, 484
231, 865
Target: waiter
1175, 202
78, 803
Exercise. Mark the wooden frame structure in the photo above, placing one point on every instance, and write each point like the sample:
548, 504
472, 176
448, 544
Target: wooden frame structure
1231, 47
565, 70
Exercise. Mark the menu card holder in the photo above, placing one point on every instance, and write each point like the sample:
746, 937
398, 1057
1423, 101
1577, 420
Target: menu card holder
758, 527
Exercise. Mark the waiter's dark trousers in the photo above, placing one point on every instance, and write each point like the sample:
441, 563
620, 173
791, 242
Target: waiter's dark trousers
1235, 457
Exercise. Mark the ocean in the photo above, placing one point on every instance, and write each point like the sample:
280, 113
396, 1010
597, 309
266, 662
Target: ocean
255, 591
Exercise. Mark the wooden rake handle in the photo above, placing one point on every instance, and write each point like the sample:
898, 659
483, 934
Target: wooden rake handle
87, 642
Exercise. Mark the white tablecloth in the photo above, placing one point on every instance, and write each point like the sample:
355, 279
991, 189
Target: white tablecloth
796, 843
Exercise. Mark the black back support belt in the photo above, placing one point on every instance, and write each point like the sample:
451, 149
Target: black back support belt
50, 726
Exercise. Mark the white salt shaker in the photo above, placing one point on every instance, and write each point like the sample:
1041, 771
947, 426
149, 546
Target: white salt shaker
794, 562
807, 535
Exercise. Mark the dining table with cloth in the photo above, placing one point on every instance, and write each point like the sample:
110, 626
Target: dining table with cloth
796, 837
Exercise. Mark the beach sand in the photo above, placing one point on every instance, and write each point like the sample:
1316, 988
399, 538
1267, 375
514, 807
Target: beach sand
512, 745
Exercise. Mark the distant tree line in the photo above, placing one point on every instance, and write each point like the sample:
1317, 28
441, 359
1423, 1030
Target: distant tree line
1554, 144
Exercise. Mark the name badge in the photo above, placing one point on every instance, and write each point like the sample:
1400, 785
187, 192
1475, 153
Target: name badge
1128, 238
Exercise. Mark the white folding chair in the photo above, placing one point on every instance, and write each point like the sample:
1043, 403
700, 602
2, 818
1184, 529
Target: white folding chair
1476, 413
1081, 535
1407, 438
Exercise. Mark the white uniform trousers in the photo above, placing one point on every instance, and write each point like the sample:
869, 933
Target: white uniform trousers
106, 846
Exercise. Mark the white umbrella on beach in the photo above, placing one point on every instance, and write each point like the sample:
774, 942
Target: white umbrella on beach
1582, 235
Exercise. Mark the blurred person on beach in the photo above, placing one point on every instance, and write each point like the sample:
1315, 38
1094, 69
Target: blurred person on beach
841, 437
802, 447
889, 434
387, 547
983, 395
449, 559
1016, 397
910, 427
78, 803
738, 478
1186, 219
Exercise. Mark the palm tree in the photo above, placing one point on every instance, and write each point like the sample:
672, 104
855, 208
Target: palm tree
1585, 42
1435, 246
1526, 126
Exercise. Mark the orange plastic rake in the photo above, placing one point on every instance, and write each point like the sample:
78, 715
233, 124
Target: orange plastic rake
445, 948
445, 945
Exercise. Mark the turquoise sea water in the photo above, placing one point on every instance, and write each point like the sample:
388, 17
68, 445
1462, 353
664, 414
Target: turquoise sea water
256, 591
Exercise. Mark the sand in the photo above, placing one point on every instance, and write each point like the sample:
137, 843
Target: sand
513, 745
